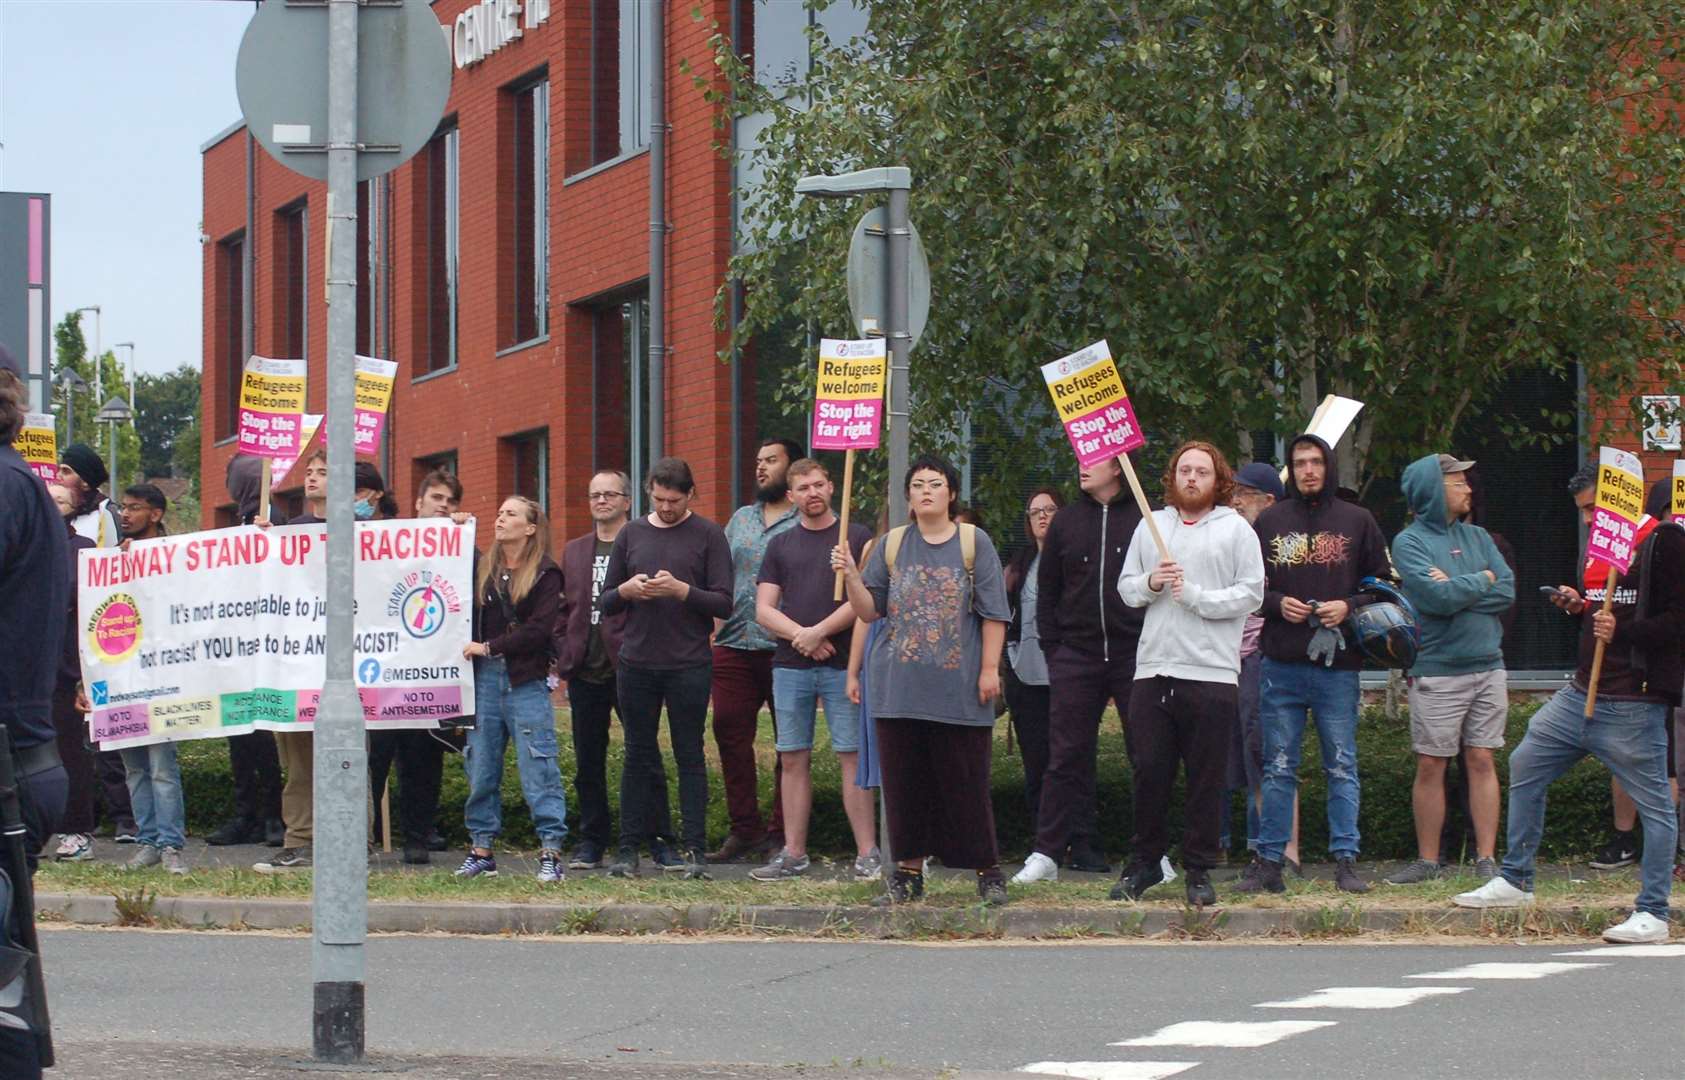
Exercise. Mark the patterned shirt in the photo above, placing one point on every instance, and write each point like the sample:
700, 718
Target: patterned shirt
748, 534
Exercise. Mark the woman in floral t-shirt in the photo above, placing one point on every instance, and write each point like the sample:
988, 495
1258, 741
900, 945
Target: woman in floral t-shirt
934, 673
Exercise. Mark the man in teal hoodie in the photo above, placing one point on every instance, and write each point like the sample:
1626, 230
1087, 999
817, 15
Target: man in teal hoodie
1460, 585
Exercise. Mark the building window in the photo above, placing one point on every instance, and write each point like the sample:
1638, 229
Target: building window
526, 466
620, 101
230, 329
436, 268
292, 253
620, 388
525, 153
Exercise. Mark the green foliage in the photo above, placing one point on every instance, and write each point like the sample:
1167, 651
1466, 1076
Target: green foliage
1577, 823
1255, 203
71, 351
167, 420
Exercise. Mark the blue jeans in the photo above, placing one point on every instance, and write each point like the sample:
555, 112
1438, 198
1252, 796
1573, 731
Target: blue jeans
154, 781
1626, 736
796, 695
523, 713
1289, 691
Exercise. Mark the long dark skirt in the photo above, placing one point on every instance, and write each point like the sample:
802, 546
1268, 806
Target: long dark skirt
936, 791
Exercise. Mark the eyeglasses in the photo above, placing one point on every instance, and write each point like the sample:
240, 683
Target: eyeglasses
1041, 511
927, 485
597, 496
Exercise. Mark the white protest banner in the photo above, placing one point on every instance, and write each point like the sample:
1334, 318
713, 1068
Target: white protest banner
212, 634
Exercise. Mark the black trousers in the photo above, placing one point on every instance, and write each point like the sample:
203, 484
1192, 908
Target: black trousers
80, 811
1080, 687
257, 776
593, 705
114, 788
1180, 721
684, 692
421, 765
1029, 707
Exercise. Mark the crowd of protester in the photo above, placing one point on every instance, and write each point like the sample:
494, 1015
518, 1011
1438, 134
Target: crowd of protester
1220, 628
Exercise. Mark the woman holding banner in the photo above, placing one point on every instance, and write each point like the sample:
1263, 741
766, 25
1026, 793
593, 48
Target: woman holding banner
933, 676
515, 603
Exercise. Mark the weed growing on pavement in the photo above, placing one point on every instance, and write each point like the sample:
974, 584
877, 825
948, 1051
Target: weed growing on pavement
136, 907
580, 920
1346, 920
1199, 924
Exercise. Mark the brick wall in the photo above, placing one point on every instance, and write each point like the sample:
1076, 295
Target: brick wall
599, 243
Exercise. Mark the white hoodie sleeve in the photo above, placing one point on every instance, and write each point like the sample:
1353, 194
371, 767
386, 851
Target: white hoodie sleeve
1138, 562
1241, 598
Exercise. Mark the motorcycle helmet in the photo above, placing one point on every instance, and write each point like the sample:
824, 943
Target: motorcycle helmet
1386, 631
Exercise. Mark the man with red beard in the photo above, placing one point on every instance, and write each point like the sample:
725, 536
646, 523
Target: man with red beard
1187, 668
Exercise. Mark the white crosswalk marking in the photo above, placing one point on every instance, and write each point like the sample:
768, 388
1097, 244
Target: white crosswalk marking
1226, 1032
1363, 997
1110, 1070
1630, 950
1506, 971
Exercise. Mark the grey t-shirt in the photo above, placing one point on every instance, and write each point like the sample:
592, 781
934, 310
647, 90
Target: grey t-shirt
925, 663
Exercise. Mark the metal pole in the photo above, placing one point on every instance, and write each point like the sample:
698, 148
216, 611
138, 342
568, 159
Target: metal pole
657, 231
69, 414
900, 347
340, 905
112, 471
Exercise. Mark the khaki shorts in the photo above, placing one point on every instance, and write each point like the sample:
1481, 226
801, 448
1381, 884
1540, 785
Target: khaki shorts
1448, 712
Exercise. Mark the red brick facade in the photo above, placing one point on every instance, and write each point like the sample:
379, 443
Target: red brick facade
598, 246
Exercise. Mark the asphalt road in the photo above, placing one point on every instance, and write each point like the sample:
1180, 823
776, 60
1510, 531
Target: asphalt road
662, 1007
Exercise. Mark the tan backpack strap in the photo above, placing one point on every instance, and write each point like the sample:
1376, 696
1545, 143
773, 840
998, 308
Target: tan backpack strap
968, 547
892, 545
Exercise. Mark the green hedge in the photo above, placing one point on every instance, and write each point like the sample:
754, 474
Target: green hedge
1578, 821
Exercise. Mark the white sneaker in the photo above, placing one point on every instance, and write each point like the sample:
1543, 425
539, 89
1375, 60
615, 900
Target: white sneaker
1037, 867
1497, 893
1640, 928
1166, 869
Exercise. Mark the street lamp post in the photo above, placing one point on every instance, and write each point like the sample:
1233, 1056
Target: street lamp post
70, 382
114, 412
129, 345
95, 309
897, 180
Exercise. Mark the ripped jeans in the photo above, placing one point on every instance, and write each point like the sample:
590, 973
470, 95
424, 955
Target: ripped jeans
522, 714
1288, 691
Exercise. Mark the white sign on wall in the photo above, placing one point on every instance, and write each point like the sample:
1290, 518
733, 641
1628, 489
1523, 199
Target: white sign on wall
489, 25
1664, 430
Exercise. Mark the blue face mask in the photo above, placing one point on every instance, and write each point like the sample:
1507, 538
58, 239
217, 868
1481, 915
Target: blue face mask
363, 510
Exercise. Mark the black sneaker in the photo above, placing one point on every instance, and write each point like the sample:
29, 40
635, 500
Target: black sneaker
236, 830
587, 856
1260, 875
274, 832
1139, 876
1200, 892
292, 858
662, 854
1345, 876
625, 864
695, 865
905, 886
991, 886
1084, 857
1621, 850
436, 842
417, 854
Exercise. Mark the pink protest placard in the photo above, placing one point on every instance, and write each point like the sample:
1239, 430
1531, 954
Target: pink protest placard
848, 406
1092, 404
272, 408
1619, 507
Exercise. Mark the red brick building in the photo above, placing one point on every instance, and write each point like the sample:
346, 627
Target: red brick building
506, 267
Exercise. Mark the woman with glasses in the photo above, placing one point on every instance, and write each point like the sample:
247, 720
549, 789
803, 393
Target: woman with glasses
1026, 667
933, 675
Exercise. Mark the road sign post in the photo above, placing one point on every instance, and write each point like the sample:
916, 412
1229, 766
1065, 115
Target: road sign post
341, 98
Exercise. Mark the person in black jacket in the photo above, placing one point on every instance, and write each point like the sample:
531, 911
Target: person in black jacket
1637, 688
1317, 549
516, 596
1025, 682
1089, 635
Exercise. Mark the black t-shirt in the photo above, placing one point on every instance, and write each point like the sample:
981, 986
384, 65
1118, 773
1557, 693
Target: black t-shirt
596, 667
798, 561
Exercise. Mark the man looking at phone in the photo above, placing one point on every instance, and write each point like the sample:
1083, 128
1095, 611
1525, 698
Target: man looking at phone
1460, 585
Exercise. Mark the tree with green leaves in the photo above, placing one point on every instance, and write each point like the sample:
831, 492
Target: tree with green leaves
167, 416
71, 351
1255, 202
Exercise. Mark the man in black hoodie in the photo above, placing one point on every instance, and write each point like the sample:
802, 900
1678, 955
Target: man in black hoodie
1089, 635
1317, 549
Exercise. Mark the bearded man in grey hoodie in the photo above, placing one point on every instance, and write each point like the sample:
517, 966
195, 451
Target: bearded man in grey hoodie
1187, 669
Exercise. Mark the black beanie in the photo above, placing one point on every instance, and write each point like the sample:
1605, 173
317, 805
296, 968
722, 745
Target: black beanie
87, 464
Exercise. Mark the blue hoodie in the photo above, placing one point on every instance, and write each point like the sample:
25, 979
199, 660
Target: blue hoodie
1461, 631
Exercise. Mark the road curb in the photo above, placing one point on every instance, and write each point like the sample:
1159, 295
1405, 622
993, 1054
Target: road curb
913, 922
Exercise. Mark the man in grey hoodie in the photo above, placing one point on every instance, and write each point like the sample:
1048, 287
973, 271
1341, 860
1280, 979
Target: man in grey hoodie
1187, 668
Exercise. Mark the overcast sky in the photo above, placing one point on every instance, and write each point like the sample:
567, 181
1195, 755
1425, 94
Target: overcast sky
103, 105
